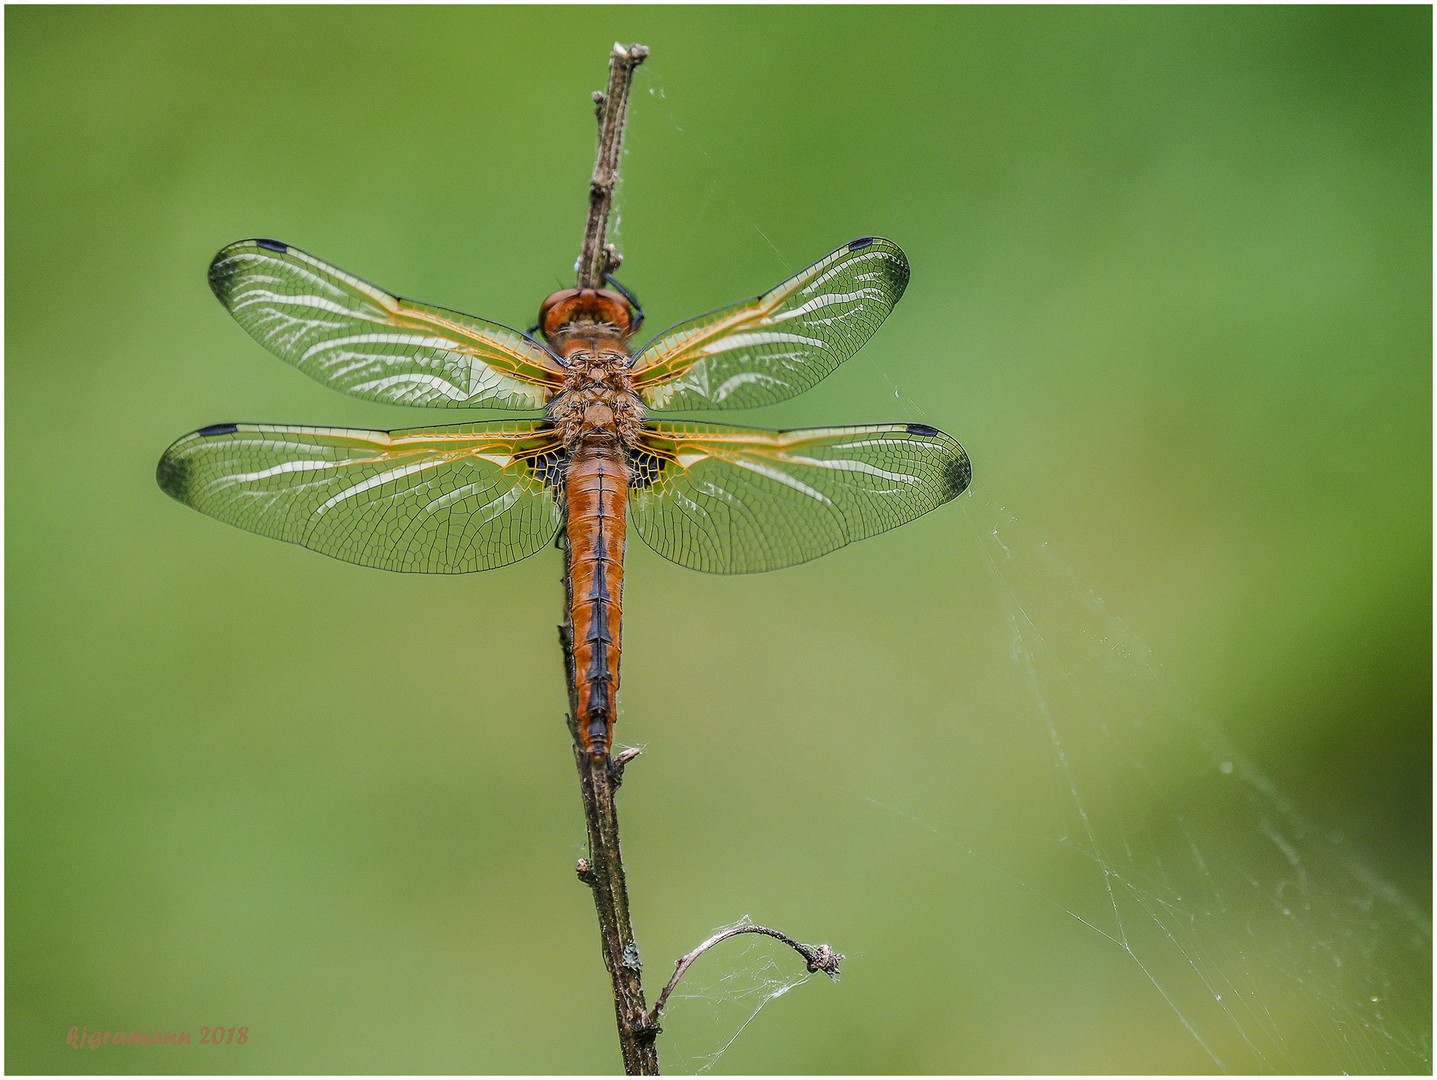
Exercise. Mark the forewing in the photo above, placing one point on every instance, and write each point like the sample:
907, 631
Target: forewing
778, 344
445, 500
355, 337
735, 500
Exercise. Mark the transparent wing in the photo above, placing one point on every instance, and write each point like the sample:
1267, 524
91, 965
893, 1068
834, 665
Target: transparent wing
355, 337
442, 500
778, 344
735, 500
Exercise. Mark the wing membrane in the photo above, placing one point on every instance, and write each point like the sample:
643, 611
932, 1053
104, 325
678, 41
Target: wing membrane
357, 338
781, 343
429, 500
735, 500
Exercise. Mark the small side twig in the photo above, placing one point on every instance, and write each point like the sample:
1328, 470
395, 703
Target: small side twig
818, 957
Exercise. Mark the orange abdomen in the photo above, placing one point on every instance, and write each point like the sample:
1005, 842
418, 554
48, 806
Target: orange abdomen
597, 490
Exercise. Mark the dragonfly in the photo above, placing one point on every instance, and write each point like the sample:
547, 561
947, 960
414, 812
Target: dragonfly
475, 496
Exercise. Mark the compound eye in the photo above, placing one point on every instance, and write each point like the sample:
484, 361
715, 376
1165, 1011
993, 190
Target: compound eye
558, 306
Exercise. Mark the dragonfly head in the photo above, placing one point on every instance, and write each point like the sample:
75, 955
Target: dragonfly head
584, 310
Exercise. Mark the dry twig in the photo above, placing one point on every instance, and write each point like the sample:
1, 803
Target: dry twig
603, 870
597, 257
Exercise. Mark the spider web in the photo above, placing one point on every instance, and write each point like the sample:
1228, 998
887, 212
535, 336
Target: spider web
1271, 944
1144, 832
713, 1004
1275, 948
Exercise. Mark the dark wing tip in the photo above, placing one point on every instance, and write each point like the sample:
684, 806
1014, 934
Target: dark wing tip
957, 475
222, 270
957, 471
221, 273
895, 265
173, 475
174, 471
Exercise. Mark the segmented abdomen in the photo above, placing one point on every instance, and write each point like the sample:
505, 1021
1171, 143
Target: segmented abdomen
597, 489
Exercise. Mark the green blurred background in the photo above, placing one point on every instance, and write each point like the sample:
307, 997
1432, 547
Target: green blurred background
1172, 290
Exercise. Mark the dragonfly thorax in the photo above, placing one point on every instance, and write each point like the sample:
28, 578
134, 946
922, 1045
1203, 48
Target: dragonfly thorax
598, 398
595, 362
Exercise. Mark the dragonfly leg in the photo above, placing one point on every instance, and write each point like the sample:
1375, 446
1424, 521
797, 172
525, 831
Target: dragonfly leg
638, 320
